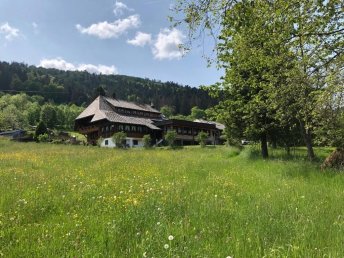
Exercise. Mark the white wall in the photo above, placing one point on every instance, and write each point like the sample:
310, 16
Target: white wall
129, 142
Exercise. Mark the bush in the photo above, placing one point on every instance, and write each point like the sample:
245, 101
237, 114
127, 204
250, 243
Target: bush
202, 138
170, 137
147, 141
43, 137
335, 160
119, 139
40, 130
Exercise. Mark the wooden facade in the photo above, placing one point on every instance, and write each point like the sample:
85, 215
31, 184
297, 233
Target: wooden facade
106, 116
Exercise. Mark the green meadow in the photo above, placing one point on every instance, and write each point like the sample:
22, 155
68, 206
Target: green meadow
76, 201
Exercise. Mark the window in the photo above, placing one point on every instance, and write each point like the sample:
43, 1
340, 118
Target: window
127, 128
133, 128
135, 142
106, 142
120, 128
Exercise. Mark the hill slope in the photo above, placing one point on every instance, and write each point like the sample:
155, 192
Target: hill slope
80, 87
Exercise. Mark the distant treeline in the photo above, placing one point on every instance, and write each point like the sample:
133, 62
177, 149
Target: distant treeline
80, 88
24, 111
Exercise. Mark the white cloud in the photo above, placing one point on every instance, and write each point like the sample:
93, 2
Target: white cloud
120, 7
106, 30
9, 32
167, 44
98, 69
35, 27
59, 63
141, 39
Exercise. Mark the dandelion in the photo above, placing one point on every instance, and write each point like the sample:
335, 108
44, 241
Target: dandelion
170, 237
166, 246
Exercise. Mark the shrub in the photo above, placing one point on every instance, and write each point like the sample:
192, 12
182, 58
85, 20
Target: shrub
119, 139
147, 141
202, 138
335, 160
170, 137
43, 137
40, 129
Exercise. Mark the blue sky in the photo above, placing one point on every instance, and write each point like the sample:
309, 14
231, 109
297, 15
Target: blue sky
130, 37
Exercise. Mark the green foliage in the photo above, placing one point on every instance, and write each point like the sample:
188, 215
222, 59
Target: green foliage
49, 115
119, 139
167, 111
23, 111
43, 137
197, 113
202, 138
147, 141
170, 137
277, 58
40, 130
80, 88
124, 204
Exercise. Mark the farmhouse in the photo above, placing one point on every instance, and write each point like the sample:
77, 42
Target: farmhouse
106, 116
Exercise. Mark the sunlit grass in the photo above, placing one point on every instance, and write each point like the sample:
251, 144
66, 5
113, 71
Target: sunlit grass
73, 201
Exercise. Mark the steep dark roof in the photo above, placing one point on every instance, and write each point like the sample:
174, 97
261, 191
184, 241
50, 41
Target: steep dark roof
131, 105
104, 108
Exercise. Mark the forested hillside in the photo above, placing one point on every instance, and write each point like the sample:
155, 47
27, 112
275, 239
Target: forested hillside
80, 88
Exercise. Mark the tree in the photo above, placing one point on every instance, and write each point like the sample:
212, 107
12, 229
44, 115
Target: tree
49, 115
276, 55
197, 113
201, 138
119, 139
167, 111
41, 129
147, 141
170, 137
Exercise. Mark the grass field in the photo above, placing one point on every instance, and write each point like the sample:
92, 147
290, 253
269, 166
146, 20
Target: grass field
75, 201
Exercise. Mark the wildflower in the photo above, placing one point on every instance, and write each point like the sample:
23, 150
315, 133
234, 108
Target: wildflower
166, 246
158, 223
144, 254
215, 195
170, 237
229, 256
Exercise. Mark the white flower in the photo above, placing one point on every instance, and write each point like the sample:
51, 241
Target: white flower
158, 223
170, 237
215, 195
145, 254
229, 256
166, 246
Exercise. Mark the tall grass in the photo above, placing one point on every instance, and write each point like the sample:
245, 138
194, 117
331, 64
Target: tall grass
71, 201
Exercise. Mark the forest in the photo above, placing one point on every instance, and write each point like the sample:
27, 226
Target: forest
80, 88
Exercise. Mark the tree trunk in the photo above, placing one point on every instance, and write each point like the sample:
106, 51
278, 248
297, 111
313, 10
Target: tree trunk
264, 146
306, 134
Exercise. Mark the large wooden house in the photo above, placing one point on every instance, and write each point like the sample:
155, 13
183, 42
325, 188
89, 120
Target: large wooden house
106, 116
